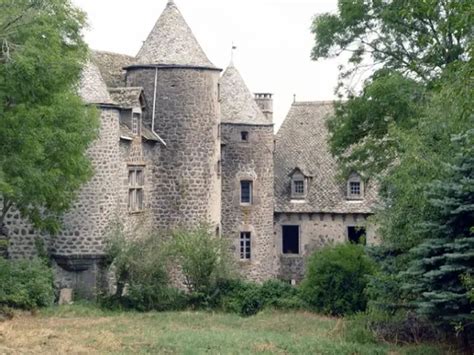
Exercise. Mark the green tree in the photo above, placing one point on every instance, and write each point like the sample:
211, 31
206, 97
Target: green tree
408, 45
45, 128
439, 265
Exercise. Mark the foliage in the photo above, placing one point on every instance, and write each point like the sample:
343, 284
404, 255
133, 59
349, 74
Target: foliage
336, 278
45, 127
202, 257
26, 284
435, 275
140, 268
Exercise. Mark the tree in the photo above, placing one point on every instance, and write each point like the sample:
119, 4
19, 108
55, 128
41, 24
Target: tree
439, 266
45, 128
408, 45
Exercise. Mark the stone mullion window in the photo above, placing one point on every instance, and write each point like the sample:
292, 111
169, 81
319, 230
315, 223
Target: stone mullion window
245, 246
136, 183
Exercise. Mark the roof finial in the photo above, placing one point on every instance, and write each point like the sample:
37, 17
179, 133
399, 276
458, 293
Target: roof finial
170, 3
294, 98
232, 54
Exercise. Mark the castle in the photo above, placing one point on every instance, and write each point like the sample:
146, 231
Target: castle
181, 144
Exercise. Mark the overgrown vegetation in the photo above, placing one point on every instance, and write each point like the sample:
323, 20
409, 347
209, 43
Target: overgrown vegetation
409, 127
25, 284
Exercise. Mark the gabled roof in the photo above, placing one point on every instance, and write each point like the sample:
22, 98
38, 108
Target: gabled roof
237, 102
92, 88
127, 97
171, 41
301, 143
111, 66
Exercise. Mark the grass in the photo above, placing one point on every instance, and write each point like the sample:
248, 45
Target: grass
87, 330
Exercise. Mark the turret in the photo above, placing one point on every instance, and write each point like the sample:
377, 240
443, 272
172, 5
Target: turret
247, 177
181, 88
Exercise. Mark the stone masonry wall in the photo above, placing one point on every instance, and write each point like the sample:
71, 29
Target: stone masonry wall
316, 231
250, 160
186, 183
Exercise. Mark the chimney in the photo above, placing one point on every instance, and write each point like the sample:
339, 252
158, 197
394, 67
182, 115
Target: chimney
265, 102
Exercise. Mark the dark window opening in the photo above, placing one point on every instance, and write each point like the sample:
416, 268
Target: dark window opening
246, 192
356, 235
354, 188
291, 239
245, 245
244, 136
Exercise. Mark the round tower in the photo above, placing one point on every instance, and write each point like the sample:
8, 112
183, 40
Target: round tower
181, 91
247, 177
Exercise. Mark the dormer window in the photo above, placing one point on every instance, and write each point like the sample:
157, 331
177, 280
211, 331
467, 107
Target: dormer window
244, 136
355, 187
298, 185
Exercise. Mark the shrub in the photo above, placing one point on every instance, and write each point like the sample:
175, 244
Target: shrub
25, 284
201, 257
336, 278
142, 279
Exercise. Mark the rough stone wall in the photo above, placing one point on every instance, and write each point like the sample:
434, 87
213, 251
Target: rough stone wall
316, 231
186, 183
250, 160
137, 153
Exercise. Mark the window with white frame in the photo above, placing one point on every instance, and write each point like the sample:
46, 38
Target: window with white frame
298, 185
355, 187
245, 246
246, 192
136, 182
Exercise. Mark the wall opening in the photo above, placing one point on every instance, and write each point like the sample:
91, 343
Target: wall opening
291, 239
356, 235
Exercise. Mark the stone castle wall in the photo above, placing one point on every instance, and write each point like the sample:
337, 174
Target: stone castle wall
249, 160
316, 231
186, 183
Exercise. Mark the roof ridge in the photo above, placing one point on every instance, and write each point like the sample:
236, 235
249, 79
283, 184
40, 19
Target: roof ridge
110, 52
315, 103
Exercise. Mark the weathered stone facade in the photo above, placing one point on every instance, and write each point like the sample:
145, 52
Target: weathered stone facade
176, 142
250, 160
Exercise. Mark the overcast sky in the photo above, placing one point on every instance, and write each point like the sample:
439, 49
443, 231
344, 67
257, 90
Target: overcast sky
273, 40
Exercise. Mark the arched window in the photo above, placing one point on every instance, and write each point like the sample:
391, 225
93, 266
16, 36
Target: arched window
355, 187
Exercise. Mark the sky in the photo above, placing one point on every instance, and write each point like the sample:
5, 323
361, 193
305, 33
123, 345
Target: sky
272, 37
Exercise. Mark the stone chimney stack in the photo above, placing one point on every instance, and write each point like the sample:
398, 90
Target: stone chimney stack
265, 102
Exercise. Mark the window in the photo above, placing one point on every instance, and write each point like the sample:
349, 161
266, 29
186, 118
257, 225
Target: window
244, 136
136, 181
291, 239
245, 246
355, 187
246, 192
298, 185
356, 235
136, 123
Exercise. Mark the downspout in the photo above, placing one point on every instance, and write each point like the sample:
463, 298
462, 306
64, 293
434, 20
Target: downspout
154, 102
154, 107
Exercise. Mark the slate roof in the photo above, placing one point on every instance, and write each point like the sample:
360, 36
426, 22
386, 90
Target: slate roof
147, 134
111, 66
301, 143
92, 88
171, 41
237, 102
126, 97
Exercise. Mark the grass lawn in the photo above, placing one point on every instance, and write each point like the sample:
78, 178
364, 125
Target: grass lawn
88, 330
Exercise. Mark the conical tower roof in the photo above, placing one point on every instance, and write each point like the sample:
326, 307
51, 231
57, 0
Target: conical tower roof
171, 41
92, 88
237, 102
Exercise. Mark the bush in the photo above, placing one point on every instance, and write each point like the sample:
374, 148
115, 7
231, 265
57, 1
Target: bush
336, 278
25, 284
142, 279
201, 257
